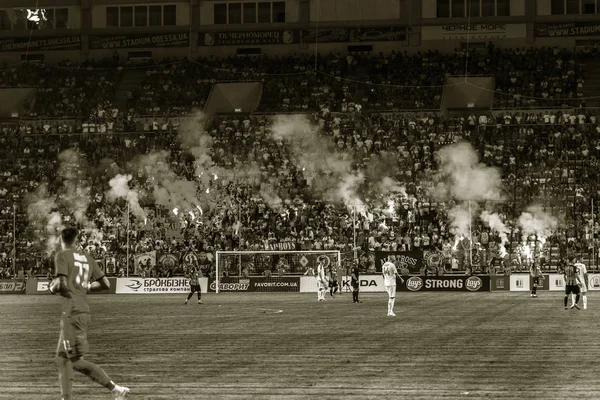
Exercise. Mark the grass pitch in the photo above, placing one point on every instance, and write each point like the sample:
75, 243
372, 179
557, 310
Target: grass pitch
241, 346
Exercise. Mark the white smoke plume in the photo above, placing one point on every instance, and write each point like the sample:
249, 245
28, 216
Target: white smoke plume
462, 177
42, 216
460, 220
495, 223
389, 185
270, 196
75, 193
119, 189
327, 171
537, 222
195, 140
169, 189
53, 228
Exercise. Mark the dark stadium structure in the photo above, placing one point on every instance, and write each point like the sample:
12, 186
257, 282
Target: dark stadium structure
168, 131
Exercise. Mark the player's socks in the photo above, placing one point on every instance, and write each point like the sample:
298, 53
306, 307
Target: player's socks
189, 296
94, 372
584, 302
566, 300
65, 373
577, 299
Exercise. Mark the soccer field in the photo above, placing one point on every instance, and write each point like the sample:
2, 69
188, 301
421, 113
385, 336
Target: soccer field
238, 346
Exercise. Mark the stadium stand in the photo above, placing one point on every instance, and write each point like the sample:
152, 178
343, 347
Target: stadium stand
366, 104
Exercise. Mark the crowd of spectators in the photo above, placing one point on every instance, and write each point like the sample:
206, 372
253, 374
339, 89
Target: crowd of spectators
545, 157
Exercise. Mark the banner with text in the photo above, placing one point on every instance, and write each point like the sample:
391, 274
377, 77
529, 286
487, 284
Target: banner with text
474, 32
35, 286
156, 285
571, 29
40, 44
446, 284
407, 262
367, 283
256, 284
244, 38
139, 41
353, 35
12, 286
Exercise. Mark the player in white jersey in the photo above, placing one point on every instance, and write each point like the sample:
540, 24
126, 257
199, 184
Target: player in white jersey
389, 280
321, 281
582, 276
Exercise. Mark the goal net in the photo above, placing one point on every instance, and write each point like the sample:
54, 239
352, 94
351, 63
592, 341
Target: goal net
242, 264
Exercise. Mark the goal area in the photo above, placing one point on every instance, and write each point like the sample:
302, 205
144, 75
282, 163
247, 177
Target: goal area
243, 264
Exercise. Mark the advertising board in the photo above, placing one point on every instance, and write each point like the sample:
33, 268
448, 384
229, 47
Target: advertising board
446, 284
519, 283
35, 286
9, 286
367, 283
156, 285
256, 284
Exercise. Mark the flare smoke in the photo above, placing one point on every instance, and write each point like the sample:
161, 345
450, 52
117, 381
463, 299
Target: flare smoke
119, 189
537, 222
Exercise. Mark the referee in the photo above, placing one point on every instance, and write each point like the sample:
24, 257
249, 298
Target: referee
355, 282
194, 276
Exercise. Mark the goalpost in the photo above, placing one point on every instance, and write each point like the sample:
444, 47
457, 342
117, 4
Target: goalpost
255, 263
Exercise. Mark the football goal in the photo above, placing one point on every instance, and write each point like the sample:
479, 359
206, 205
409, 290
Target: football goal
244, 264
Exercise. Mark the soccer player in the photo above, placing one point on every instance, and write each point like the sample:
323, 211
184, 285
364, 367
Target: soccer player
355, 283
583, 281
321, 281
333, 282
390, 273
571, 283
194, 276
536, 275
76, 273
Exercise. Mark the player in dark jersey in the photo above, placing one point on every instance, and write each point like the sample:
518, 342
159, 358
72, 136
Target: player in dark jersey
333, 283
76, 273
571, 283
194, 276
355, 283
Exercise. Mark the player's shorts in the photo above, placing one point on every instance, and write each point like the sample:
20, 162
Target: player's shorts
333, 283
354, 285
391, 290
195, 288
321, 285
572, 289
536, 280
73, 342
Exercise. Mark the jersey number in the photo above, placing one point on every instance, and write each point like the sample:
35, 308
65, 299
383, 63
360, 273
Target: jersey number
83, 273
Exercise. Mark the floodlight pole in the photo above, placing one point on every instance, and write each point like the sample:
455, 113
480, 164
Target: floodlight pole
354, 231
470, 237
14, 257
593, 239
127, 240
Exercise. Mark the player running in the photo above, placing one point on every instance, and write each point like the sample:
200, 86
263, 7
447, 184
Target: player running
389, 276
194, 276
571, 283
536, 275
76, 273
583, 281
321, 281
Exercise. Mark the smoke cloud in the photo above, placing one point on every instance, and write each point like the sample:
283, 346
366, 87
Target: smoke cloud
119, 189
462, 177
536, 221
495, 223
